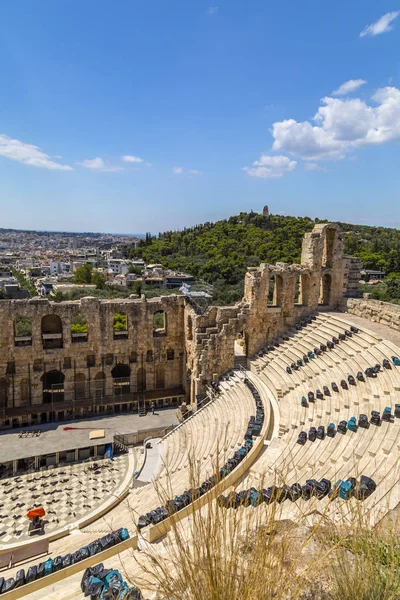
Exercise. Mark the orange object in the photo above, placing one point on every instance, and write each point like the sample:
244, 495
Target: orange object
36, 512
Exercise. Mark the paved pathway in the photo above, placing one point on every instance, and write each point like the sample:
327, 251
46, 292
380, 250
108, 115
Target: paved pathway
153, 461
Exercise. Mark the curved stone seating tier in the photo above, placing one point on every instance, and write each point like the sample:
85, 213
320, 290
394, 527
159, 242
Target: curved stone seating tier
373, 451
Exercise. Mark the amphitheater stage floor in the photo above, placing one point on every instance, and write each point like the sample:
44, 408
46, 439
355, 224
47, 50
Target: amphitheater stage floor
55, 438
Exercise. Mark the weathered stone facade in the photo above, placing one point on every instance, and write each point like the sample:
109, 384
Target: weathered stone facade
318, 282
55, 374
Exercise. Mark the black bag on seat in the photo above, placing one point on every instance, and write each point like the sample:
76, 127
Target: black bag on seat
94, 547
20, 578
31, 574
40, 570
95, 588
57, 563
66, 561
8, 585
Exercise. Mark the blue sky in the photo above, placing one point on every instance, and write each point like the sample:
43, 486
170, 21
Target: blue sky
130, 116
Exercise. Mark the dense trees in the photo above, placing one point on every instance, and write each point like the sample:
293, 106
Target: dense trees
219, 253
86, 275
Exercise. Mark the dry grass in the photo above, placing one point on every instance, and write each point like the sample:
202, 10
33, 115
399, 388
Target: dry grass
252, 554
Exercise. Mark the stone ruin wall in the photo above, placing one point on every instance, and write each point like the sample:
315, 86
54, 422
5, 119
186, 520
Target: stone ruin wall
322, 277
23, 367
193, 349
374, 310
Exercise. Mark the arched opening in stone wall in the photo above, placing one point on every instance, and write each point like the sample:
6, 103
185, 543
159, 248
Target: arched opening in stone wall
133, 357
121, 374
297, 291
325, 289
3, 393
79, 328
160, 377
52, 331
141, 379
100, 385
159, 323
23, 331
53, 387
149, 356
25, 395
278, 291
304, 289
240, 345
120, 326
271, 288
329, 243
189, 328
80, 385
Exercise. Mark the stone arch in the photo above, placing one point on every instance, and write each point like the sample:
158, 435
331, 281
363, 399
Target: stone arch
278, 290
189, 328
141, 379
53, 386
160, 377
52, 331
22, 327
297, 289
80, 385
79, 327
329, 246
121, 375
304, 289
120, 325
159, 322
100, 384
3, 392
325, 289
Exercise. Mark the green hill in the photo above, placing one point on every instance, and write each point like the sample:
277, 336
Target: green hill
219, 253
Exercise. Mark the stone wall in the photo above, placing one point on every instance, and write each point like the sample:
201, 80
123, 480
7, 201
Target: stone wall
374, 310
54, 371
319, 282
105, 363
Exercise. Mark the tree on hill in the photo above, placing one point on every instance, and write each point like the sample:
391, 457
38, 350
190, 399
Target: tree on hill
220, 253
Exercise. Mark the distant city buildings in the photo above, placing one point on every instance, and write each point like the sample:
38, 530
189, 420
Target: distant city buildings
47, 261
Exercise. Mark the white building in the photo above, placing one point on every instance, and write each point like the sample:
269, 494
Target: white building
118, 266
60, 268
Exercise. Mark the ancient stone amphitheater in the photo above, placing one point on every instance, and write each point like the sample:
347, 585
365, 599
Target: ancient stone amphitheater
293, 355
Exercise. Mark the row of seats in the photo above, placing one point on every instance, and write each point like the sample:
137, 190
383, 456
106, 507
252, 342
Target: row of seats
341, 489
61, 562
352, 425
254, 427
374, 450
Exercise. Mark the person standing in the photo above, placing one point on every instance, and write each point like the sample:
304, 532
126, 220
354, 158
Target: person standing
152, 408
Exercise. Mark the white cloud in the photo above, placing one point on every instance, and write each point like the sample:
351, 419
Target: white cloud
195, 172
98, 164
177, 170
270, 167
212, 10
310, 166
348, 87
132, 159
28, 154
382, 25
341, 126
